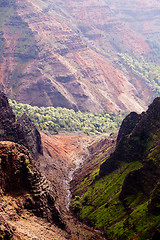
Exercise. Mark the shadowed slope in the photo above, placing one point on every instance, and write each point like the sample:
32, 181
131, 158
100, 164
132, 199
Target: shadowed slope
122, 199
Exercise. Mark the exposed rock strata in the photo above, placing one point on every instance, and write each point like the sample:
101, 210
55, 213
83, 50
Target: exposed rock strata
48, 62
22, 131
19, 176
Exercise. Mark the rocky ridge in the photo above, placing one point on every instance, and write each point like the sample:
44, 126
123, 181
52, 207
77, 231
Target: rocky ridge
20, 179
19, 176
136, 137
33, 193
121, 197
22, 131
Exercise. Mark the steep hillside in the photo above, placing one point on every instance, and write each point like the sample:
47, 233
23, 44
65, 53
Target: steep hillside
35, 170
58, 53
122, 199
22, 131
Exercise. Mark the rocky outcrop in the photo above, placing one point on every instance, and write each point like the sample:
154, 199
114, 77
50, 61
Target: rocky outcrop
22, 131
19, 176
32, 137
128, 125
136, 138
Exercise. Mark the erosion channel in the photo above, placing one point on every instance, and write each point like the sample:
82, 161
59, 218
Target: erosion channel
78, 164
64, 155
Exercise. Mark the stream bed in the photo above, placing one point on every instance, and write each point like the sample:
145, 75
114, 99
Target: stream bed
67, 186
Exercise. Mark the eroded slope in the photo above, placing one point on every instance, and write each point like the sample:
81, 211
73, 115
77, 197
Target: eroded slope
33, 191
48, 59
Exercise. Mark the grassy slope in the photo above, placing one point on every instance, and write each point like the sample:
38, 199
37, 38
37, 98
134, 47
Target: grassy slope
99, 201
104, 210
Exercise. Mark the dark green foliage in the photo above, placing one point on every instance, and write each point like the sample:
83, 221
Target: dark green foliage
57, 119
76, 205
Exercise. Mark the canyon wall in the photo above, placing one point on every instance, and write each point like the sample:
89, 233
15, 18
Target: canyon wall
58, 53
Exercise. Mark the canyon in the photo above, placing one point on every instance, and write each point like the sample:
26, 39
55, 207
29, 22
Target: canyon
34, 180
98, 56
78, 187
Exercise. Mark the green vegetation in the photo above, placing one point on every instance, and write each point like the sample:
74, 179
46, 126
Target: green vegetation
61, 119
124, 202
145, 70
101, 206
76, 205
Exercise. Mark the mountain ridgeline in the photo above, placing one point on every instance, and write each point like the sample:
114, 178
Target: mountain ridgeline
122, 198
84, 55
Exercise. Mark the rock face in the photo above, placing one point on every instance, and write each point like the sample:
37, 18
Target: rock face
18, 175
58, 53
136, 137
22, 131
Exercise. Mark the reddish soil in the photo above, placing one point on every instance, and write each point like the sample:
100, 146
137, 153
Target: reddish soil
61, 154
73, 69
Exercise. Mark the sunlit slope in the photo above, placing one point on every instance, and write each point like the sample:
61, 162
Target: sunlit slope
58, 53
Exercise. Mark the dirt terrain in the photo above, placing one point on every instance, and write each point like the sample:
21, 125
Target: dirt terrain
62, 155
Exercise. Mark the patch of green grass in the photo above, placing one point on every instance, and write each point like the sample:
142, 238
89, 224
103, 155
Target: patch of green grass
103, 207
